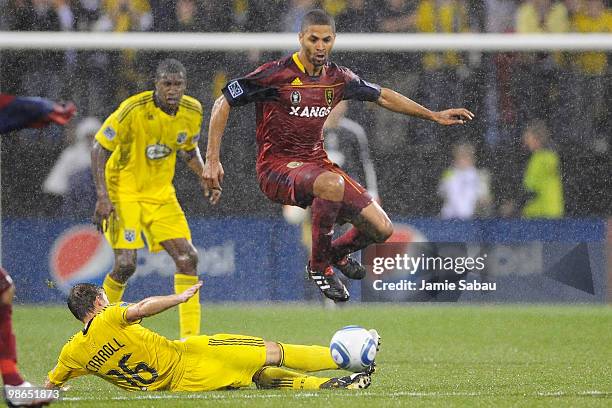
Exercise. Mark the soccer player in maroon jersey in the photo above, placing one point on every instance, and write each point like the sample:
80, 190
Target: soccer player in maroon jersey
293, 97
18, 113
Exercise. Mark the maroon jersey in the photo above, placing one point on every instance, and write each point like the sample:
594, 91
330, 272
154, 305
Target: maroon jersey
292, 106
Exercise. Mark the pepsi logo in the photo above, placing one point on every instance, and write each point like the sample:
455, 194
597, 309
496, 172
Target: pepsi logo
80, 254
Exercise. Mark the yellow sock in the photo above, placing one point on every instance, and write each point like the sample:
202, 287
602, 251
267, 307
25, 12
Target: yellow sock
189, 312
306, 358
114, 290
275, 377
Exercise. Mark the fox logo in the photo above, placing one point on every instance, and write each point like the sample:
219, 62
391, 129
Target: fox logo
310, 111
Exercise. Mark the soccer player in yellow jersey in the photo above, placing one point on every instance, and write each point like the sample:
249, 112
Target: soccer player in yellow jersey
114, 346
133, 161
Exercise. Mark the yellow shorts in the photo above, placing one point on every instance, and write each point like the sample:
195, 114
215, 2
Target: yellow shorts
220, 361
158, 223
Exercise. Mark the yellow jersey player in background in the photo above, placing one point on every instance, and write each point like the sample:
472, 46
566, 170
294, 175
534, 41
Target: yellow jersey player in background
133, 161
114, 346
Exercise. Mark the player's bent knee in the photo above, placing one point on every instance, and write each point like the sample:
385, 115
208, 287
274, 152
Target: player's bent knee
273, 353
124, 268
187, 262
384, 232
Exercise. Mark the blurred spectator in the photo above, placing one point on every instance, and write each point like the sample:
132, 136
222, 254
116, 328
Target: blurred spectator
443, 73
391, 130
73, 159
36, 78
542, 194
589, 103
540, 79
295, 13
356, 17
464, 188
264, 15
122, 16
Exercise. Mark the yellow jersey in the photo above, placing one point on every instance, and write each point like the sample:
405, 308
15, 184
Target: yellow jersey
144, 141
125, 354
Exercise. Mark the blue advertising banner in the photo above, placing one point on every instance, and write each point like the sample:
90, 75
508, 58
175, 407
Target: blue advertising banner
244, 259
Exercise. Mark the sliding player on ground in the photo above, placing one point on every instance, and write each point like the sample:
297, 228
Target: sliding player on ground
114, 346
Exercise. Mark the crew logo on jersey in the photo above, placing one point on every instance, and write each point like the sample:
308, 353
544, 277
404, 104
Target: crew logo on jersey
329, 96
181, 138
158, 151
79, 254
296, 98
129, 235
310, 111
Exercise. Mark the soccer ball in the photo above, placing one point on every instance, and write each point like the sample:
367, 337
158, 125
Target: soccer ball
353, 348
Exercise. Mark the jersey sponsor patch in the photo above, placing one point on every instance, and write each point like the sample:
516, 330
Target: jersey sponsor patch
181, 137
296, 98
109, 133
158, 151
235, 89
296, 81
310, 111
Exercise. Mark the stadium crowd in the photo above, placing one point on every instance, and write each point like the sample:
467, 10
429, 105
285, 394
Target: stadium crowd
567, 92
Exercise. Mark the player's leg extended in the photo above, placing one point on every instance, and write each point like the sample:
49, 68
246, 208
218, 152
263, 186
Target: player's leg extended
123, 268
299, 357
185, 257
8, 352
371, 225
304, 358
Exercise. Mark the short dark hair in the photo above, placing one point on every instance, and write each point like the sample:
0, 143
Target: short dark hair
317, 17
170, 66
81, 299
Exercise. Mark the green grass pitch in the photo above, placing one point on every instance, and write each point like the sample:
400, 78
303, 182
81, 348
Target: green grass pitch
431, 356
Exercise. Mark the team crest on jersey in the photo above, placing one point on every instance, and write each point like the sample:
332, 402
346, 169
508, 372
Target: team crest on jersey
129, 235
157, 151
181, 138
109, 133
296, 98
294, 164
235, 89
329, 96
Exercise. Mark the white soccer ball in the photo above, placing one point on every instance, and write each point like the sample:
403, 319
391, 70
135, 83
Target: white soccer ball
353, 348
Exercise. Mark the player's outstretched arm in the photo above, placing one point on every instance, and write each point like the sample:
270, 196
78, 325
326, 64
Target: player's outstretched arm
213, 170
396, 102
104, 207
157, 304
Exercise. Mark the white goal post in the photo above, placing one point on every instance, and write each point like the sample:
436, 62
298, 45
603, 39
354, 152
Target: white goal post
370, 42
